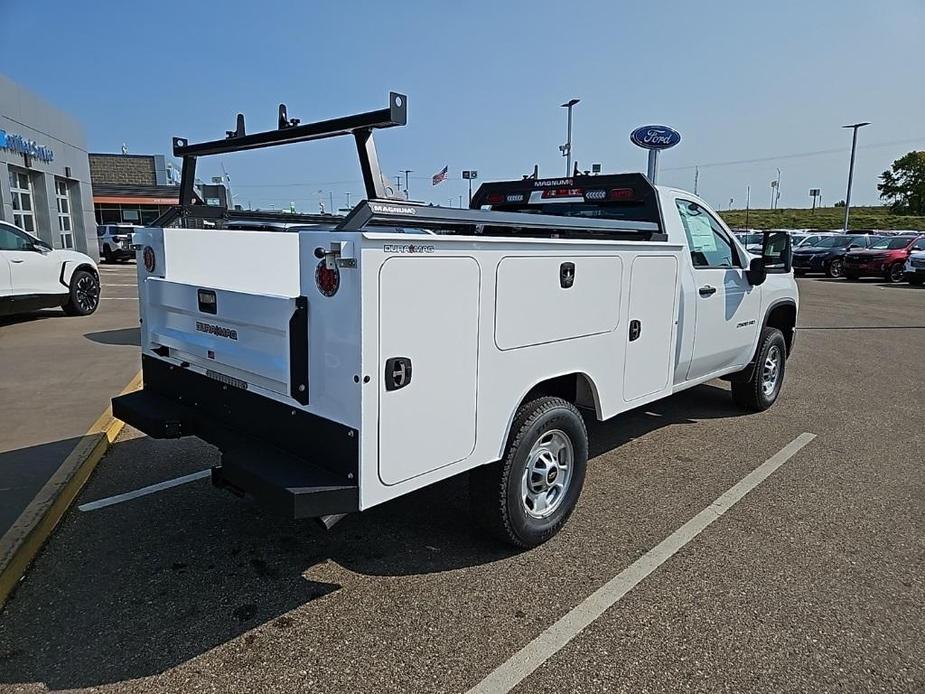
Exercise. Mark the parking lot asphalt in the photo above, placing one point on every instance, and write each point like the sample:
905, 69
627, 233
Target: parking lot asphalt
814, 581
59, 373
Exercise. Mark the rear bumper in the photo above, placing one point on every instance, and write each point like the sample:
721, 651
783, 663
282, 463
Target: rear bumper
296, 463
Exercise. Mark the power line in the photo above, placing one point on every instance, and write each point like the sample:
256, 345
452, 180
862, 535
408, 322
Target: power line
797, 155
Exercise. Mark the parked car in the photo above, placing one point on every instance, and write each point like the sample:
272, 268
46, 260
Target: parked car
826, 256
751, 241
115, 241
34, 275
886, 258
813, 238
915, 267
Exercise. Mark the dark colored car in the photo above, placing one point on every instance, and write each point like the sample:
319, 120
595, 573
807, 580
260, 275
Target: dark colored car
886, 258
826, 255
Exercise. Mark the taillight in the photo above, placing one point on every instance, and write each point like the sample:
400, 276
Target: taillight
494, 199
621, 194
562, 193
327, 279
150, 259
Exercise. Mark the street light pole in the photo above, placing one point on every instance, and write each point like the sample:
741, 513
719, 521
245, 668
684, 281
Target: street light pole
566, 149
854, 146
407, 189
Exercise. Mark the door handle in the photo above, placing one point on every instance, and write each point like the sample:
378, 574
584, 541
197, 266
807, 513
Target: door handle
16, 260
707, 290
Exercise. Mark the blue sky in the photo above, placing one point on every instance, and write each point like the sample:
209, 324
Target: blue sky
741, 80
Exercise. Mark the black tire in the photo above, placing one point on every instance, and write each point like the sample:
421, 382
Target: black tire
851, 276
896, 273
107, 253
836, 268
495, 489
84, 295
916, 280
799, 273
751, 395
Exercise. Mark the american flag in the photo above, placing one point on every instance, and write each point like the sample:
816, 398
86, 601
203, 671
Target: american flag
441, 177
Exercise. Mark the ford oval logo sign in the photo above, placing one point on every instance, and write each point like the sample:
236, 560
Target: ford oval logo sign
655, 137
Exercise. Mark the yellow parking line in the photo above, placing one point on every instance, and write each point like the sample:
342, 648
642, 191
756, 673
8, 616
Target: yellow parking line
22, 542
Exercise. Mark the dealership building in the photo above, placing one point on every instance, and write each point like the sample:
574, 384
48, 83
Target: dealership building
44, 171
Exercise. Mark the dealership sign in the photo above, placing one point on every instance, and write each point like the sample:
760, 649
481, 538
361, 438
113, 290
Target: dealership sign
18, 143
655, 137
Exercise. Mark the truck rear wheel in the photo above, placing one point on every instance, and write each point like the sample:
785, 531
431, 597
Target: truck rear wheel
760, 391
525, 498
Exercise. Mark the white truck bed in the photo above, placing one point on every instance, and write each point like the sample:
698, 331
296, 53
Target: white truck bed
481, 320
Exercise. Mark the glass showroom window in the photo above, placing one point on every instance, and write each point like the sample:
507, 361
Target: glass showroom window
21, 193
64, 213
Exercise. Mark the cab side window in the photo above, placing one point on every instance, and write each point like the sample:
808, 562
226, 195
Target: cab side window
709, 245
919, 245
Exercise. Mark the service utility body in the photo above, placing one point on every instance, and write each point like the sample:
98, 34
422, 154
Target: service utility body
341, 364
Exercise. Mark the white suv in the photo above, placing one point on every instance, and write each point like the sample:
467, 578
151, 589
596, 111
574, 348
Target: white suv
115, 241
33, 275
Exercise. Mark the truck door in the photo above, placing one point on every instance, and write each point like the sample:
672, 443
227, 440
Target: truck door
428, 363
726, 303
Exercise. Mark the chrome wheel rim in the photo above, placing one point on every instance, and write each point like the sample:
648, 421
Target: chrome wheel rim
897, 272
87, 293
548, 474
770, 371
835, 268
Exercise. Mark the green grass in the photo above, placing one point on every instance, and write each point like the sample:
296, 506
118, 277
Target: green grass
822, 218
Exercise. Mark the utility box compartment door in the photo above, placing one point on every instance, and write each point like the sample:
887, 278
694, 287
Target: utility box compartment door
650, 325
428, 363
549, 299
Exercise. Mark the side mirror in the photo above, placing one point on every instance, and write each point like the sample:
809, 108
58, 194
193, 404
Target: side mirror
39, 248
756, 273
776, 252
853, 246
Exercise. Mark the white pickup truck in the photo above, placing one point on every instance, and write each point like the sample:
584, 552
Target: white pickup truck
338, 368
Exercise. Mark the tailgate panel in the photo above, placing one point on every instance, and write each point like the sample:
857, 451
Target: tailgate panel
247, 338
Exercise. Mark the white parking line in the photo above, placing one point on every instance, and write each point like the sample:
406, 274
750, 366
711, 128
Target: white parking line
118, 298
110, 284
519, 666
151, 489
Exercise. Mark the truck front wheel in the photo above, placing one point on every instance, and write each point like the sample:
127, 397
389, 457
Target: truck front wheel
525, 498
760, 391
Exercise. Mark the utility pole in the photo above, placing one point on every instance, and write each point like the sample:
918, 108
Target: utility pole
407, 188
398, 183
854, 146
348, 199
566, 149
777, 190
748, 201
696, 178
460, 202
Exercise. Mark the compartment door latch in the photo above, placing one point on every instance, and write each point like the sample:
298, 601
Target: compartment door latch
397, 372
635, 330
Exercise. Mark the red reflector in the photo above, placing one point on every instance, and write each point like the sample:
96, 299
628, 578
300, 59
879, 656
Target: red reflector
495, 199
563, 193
150, 259
327, 279
622, 194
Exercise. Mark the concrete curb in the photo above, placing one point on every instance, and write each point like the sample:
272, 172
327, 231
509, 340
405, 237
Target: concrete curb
22, 542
